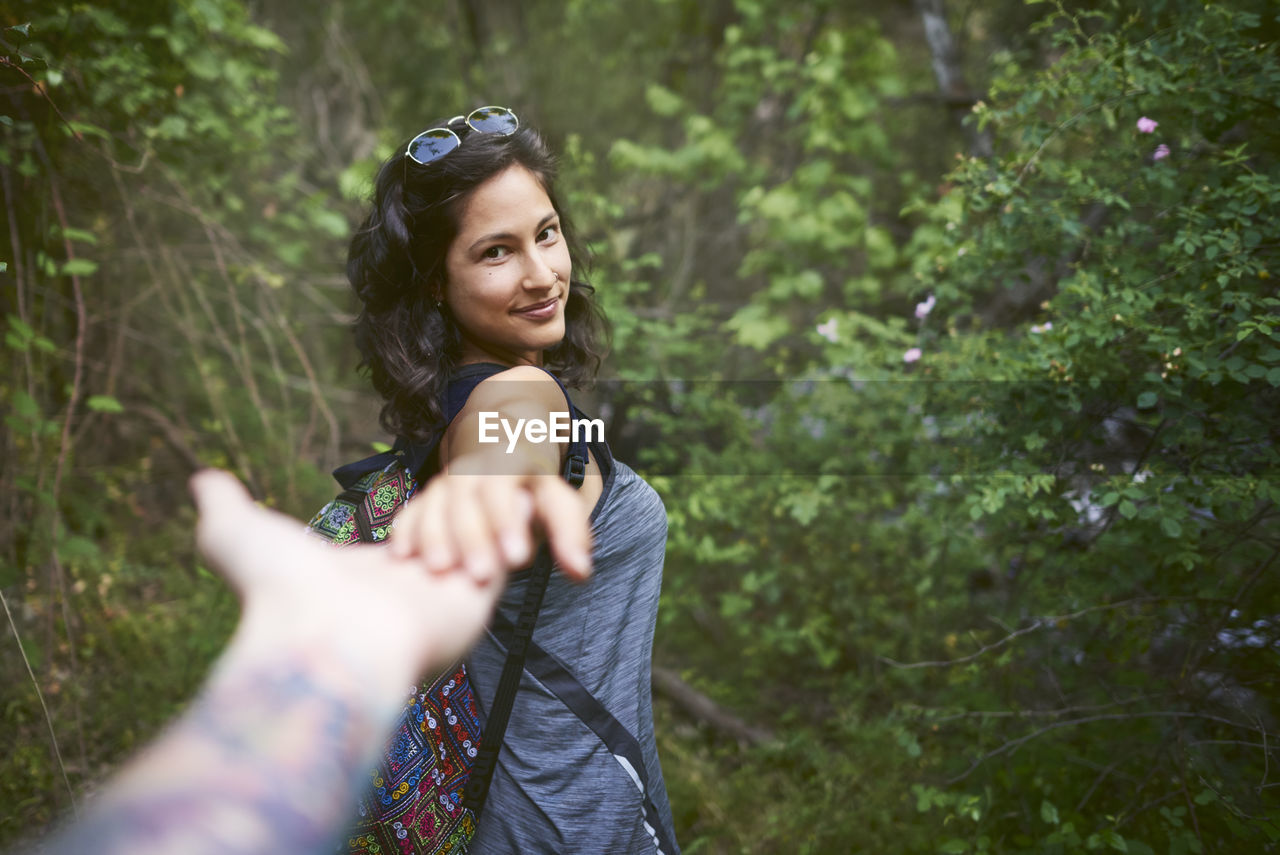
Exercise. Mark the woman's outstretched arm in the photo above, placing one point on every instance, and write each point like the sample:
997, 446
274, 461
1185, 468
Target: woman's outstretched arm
269, 755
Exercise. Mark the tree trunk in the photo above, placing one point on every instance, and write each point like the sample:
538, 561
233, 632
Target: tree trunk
950, 75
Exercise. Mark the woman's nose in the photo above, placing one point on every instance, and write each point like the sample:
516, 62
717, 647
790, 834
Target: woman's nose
539, 274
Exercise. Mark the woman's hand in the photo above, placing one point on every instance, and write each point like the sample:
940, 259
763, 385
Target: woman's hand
485, 524
484, 511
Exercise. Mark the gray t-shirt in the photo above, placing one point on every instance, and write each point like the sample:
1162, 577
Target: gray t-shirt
562, 783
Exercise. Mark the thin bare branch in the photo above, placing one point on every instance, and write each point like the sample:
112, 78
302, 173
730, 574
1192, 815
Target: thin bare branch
1014, 744
1036, 625
48, 719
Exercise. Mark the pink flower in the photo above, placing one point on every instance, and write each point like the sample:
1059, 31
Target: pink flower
912, 355
1041, 328
923, 309
1146, 126
828, 330
1161, 152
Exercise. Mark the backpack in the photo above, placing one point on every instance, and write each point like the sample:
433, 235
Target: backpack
427, 791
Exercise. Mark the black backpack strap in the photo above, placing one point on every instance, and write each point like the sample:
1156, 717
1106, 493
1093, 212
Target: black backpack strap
575, 459
560, 681
350, 473
504, 698
519, 640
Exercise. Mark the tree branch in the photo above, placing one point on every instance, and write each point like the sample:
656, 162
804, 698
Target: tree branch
701, 708
1036, 624
1014, 744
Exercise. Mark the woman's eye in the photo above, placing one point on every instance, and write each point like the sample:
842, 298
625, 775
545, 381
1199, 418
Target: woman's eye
548, 234
495, 252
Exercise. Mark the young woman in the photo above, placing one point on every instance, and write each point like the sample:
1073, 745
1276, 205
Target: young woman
474, 314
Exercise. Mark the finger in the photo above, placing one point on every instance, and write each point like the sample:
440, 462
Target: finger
564, 519
252, 547
421, 528
510, 510
470, 528
216, 491
220, 501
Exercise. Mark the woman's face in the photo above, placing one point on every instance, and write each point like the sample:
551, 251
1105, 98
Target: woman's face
507, 271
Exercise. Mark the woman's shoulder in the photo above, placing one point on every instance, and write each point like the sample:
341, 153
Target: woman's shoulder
489, 386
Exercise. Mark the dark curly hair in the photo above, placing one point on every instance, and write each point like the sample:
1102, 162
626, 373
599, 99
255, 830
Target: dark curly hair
396, 264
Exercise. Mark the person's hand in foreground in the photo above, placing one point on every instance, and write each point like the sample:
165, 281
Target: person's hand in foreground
330, 643
363, 600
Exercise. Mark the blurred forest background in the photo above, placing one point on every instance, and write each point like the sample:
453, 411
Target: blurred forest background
947, 331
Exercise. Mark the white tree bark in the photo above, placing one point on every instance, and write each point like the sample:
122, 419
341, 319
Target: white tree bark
949, 72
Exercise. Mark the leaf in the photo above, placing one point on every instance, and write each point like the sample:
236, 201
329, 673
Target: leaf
1048, 812
71, 233
1114, 840
24, 405
87, 128
21, 328
104, 404
733, 604
1171, 527
757, 327
79, 267
1147, 400
331, 222
954, 846
1128, 509
1206, 796
75, 547
263, 38
663, 101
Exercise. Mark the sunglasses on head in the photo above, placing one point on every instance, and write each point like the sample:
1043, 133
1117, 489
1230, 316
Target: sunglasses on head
435, 143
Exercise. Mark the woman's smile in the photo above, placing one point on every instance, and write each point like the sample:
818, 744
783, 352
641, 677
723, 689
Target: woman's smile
541, 311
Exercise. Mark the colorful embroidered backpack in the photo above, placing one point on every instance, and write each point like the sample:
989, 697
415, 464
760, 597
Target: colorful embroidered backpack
427, 791
414, 802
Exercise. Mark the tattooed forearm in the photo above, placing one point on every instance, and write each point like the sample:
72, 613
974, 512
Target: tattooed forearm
266, 761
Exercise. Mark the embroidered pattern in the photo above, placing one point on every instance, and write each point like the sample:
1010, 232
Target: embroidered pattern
379, 494
413, 804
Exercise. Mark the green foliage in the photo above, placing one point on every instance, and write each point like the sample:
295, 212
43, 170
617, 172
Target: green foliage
144, 336
1068, 495
999, 573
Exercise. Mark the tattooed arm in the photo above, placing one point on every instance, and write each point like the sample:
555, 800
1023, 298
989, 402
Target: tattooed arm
268, 757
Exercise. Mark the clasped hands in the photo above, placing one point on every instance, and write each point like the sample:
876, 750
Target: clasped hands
427, 596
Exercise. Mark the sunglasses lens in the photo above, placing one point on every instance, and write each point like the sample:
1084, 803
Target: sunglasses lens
433, 145
493, 120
